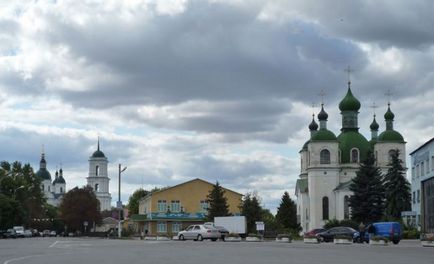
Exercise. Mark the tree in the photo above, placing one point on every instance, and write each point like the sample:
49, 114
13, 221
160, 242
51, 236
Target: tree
251, 209
397, 188
133, 202
218, 203
20, 188
367, 201
80, 205
287, 213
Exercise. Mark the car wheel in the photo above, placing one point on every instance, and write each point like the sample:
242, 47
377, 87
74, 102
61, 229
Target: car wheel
199, 238
214, 239
395, 241
181, 237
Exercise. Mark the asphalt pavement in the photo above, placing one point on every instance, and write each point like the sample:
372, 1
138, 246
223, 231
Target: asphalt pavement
105, 251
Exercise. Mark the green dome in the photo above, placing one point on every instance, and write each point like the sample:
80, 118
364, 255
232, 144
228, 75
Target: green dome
323, 114
43, 174
349, 140
349, 103
323, 135
313, 125
98, 154
61, 180
374, 126
389, 114
391, 136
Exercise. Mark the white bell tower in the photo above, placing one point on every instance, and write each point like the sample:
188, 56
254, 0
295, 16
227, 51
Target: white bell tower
98, 178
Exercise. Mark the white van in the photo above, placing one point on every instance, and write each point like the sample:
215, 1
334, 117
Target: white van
19, 230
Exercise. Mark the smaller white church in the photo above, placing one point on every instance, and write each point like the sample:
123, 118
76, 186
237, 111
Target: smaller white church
98, 178
53, 191
330, 162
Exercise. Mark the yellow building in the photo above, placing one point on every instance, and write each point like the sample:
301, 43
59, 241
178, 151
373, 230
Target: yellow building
170, 210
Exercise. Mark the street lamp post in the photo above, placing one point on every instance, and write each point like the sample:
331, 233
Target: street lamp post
119, 203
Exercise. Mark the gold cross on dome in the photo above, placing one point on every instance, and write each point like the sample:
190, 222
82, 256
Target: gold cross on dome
389, 93
373, 106
322, 94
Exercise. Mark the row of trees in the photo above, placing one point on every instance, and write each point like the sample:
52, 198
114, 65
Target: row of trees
284, 221
376, 196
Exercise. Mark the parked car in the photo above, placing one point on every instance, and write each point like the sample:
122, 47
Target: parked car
53, 233
199, 232
10, 233
389, 230
27, 233
223, 231
314, 232
19, 230
329, 235
46, 233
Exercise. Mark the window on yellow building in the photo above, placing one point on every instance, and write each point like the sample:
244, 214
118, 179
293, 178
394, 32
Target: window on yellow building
161, 227
175, 206
203, 206
176, 227
161, 206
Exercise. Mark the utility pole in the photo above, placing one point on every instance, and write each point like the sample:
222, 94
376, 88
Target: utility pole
119, 203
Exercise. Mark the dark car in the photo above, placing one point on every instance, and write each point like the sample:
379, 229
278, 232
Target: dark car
329, 235
315, 231
10, 233
223, 232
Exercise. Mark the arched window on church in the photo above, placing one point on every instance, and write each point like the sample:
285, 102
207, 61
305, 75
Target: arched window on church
49, 189
61, 190
97, 170
346, 207
355, 155
392, 152
96, 187
325, 208
339, 156
324, 156
376, 157
43, 188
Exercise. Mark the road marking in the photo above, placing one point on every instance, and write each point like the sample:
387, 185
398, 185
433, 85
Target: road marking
52, 245
20, 258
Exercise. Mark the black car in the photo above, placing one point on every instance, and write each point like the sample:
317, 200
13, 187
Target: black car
10, 233
223, 232
329, 235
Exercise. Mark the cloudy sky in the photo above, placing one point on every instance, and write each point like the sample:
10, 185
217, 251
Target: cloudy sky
219, 90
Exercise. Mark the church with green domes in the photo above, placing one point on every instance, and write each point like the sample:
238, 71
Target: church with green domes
330, 162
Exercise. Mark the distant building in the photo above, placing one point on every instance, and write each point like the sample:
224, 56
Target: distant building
98, 178
53, 191
171, 210
330, 162
422, 185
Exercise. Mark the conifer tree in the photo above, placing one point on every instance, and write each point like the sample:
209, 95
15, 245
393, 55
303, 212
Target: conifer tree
367, 201
287, 213
397, 188
218, 204
252, 210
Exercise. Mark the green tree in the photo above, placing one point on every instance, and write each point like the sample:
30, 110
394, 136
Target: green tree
397, 188
252, 210
367, 201
287, 213
80, 205
218, 203
133, 201
21, 189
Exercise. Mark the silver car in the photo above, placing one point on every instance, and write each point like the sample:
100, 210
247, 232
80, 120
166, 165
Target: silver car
199, 232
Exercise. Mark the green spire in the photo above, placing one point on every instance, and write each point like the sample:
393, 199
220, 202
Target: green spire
374, 125
349, 103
